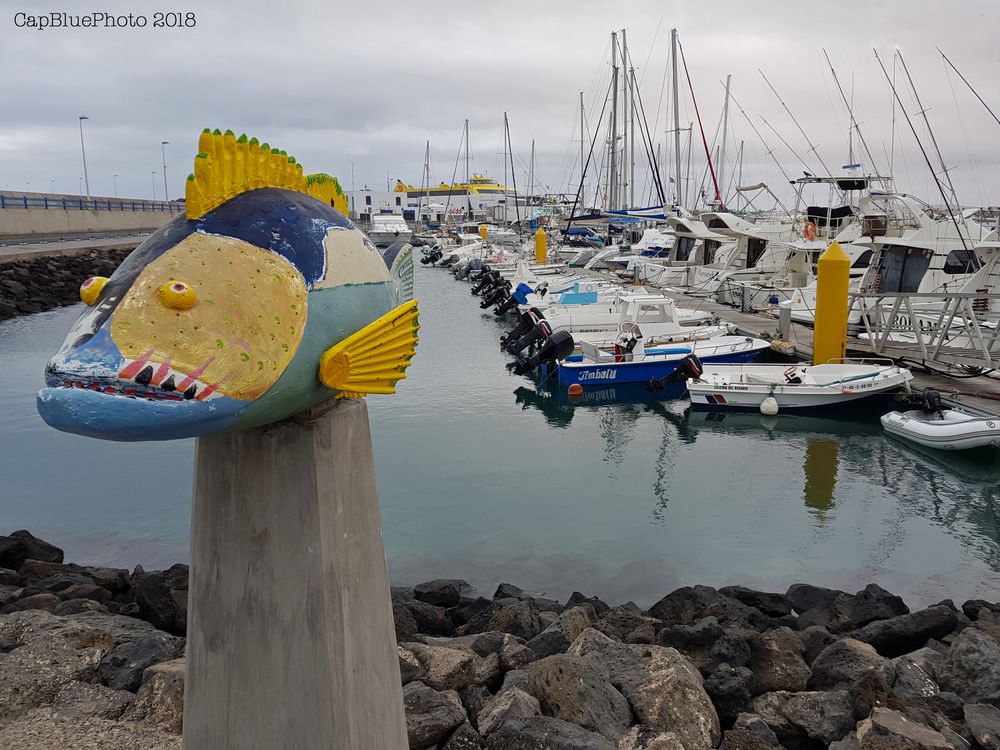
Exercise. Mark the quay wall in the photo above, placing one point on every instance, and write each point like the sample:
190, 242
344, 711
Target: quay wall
31, 215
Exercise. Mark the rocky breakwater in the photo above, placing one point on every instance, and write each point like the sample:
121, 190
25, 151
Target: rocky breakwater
94, 655
32, 285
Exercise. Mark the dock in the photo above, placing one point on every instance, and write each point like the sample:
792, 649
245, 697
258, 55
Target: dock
976, 393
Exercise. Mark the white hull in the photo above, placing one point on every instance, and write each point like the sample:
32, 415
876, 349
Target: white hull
746, 386
955, 431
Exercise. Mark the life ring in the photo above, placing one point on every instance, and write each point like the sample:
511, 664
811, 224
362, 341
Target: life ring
809, 230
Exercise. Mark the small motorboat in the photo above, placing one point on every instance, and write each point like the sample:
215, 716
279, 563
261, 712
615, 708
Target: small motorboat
630, 362
933, 426
772, 388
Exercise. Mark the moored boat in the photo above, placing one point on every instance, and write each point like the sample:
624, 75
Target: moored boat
945, 429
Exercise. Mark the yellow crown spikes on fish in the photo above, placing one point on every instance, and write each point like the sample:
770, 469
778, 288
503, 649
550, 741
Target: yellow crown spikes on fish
375, 358
227, 166
327, 189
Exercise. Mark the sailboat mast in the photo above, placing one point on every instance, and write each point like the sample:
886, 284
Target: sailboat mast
725, 137
613, 169
628, 130
468, 193
503, 137
427, 180
583, 187
531, 173
677, 120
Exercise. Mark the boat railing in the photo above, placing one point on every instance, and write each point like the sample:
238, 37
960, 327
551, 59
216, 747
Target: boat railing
952, 329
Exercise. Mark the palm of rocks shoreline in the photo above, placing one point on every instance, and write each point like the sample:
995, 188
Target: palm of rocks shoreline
94, 656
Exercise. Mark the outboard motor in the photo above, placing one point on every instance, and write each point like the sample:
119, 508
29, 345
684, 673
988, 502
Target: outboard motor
689, 368
519, 297
433, 256
495, 295
483, 270
528, 321
473, 265
557, 346
540, 331
487, 280
932, 403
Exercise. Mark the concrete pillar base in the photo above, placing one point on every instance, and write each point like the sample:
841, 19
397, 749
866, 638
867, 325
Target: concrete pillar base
290, 632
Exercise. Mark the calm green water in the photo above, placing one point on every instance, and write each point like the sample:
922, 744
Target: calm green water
483, 477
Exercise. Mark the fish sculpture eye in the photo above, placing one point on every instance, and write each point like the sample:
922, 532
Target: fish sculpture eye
177, 295
90, 289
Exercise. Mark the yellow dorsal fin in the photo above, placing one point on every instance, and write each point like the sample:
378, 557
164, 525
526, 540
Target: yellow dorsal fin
227, 166
375, 358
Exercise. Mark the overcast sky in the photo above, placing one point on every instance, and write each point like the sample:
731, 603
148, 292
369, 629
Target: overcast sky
333, 83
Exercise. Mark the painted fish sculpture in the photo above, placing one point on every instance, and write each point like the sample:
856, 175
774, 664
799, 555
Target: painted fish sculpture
260, 302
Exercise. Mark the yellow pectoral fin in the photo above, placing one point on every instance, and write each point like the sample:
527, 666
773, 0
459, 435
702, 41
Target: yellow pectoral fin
375, 358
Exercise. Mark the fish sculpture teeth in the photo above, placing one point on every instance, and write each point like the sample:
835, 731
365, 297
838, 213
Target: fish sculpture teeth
260, 302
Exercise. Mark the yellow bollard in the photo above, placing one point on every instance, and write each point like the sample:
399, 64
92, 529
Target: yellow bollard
830, 330
482, 231
541, 246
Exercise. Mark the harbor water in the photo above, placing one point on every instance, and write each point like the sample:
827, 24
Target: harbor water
484, 475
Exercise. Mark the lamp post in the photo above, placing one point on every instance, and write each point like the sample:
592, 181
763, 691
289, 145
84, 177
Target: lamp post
154, 183
163, 153
81, 187
52, 186
116, 184
83, 151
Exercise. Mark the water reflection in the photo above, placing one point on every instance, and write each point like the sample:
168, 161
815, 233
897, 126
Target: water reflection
820, 470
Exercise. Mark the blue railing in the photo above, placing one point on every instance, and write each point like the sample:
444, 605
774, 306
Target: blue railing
88, 204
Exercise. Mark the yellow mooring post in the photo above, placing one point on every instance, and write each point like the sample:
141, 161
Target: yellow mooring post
482, 231
830, 331
541, 246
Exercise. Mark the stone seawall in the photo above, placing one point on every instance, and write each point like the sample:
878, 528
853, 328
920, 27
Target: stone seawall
94, 657
32, 285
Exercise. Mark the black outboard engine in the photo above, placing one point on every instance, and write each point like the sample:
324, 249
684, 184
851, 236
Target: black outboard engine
528, 321
495, 295
473, 265
487, 280
540, 331
557, 346
504, 307
483, 270
689, 368
932, 403
433, 256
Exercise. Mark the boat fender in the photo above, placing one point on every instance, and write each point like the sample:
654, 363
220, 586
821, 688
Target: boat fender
769, 406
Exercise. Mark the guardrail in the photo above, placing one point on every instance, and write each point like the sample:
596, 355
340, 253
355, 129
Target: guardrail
959, 328
88, 204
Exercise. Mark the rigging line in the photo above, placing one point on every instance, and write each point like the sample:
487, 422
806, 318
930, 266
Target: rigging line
454, 174
513, 175
701, 127
788, 146
576, 198
968, 142
981, 101
930, 132
850, 111
768, 149
892, 131
812, 148
648, 144
922, 151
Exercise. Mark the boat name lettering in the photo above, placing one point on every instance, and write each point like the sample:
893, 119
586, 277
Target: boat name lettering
608, 374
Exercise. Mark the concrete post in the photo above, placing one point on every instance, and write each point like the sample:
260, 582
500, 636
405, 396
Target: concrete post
290, 632
785, 323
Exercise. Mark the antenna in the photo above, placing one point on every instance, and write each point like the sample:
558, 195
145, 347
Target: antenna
855, 126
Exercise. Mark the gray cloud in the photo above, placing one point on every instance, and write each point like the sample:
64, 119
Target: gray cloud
336, 82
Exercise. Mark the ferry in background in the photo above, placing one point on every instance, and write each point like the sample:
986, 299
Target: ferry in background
478, 185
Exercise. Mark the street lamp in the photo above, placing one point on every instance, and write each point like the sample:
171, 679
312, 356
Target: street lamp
163, 153
83, 151
154, 184
116, 184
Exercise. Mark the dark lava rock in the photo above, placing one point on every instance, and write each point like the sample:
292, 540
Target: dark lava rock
905, 633
973, 607
730, 689
753, 723
404, 623
742, 739
162, 598
815, 638
701, 634
971, 668
508, 591
518, 618
122, 668
775, 605
430, 619
689, 604
851, 611
731, 649
776, 661
545, 733
473, 699
37, 572
557, 637
576, 599
984, 723
467, 609
21, 546
9, 578
620, 622
890, 729
47, 602
464, 738
869, 691
78, 606
430, 715
442, 592
823, 716
804, 597
578, 689
844, 661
